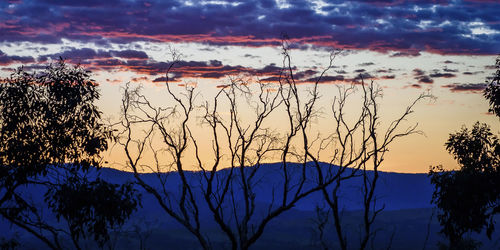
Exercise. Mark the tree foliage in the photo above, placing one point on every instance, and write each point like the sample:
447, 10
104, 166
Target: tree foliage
51, 135
468, 198
50, 118
92, 206
492, 91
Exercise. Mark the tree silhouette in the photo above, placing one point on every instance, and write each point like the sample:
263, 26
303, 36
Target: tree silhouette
239, 121
228, 191
492, 91
468, 198
51, 136
360, 152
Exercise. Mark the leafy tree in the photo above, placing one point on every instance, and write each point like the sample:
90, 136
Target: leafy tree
92, 206
492, 91
51, 136
468, 198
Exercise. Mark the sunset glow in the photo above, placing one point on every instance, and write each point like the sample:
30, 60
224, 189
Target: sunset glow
444, 48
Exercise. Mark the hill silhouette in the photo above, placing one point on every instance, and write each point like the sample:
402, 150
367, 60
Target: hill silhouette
406, 198
408, 217
397, 190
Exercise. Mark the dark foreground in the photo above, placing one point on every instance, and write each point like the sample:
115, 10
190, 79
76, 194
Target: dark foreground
408, 222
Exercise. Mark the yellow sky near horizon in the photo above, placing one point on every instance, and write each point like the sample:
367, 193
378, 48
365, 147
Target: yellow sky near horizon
437, 118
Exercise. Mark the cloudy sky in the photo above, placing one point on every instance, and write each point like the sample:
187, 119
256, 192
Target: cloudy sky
445, 47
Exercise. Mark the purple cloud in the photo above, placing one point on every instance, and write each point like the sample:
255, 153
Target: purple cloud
422, 77
6, 59
76, 55
472, 73
130, 54
433, 27
326, 79
466, 87
442, 75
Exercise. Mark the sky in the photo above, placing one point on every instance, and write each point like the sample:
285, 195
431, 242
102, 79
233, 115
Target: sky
445, 48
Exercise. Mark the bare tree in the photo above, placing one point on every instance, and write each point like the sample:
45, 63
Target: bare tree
238, 121
230, 194
137, 110
320, 223
360, 152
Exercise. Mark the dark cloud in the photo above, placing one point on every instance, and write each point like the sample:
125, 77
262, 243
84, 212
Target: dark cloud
271, 79
406, 54
466, 87
76, 55
389, 70
422, 77
472, 73
442, 75
388, 77
425, 79
130, 54
366, 64
352, 25
418, 72
304, 74
363, 76
269, 69
137, 62
326, 79
6, 59
163, 79
450, 70
251, 56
